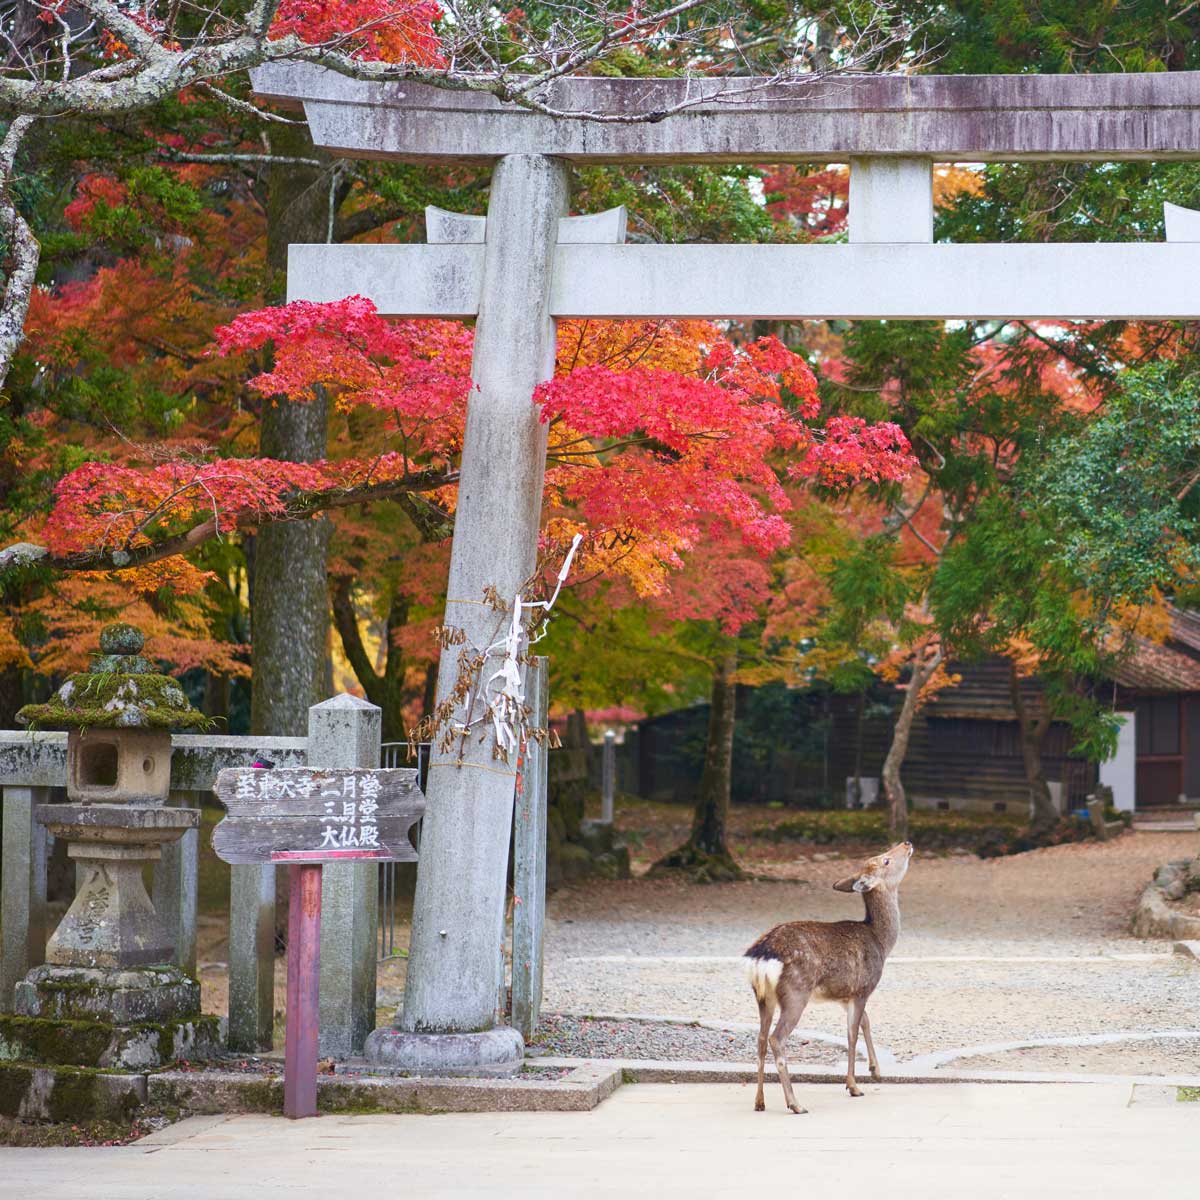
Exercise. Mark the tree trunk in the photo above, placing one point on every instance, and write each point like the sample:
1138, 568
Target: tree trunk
706, 853
289, 616
386, 687
893, 789
429, 691
297, 199
11, 696
1032, 730
216, 698
290, 606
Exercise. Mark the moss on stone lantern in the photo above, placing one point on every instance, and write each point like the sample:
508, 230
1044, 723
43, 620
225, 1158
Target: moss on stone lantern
118, 716
109, 962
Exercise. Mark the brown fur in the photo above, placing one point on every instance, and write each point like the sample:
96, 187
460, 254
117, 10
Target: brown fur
828, 960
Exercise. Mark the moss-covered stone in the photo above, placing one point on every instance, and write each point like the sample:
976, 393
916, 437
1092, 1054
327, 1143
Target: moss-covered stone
349, 1098
120, 691
121, 638
98, 1044
134, 996
42, 1093
577, 849
116, 700
127, 664
215, 1091
55, 1043
556, 832
575, 863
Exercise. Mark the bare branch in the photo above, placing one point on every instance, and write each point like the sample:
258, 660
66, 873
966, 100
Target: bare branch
22, 252
246, 109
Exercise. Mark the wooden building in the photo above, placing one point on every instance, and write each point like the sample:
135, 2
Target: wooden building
1160, 685
964, 752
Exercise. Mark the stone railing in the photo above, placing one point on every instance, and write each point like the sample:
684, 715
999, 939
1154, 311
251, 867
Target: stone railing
33, 767
342, 732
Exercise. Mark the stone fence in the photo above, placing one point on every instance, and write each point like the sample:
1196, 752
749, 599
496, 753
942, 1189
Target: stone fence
342, 732
33, 767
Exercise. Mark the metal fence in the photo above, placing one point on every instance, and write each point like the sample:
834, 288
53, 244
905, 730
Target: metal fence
396, 754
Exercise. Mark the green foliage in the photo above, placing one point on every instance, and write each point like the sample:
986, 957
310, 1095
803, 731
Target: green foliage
866, 584
981, 37
680, 204
1120, 493
607, 653
1070, 202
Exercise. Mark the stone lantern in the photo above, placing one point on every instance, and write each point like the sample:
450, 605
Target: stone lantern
109, 960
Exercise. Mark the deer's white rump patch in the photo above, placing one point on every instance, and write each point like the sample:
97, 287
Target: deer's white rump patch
763, 974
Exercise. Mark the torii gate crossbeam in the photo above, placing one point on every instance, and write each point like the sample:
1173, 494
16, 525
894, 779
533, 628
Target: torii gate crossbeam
526, 266
1104, 281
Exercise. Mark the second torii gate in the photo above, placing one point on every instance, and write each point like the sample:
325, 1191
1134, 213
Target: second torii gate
527, 264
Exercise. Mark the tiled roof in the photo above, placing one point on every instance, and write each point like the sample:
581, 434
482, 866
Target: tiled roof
1185, 628
1171, 666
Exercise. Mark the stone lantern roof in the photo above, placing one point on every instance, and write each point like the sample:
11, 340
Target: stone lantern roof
121, 690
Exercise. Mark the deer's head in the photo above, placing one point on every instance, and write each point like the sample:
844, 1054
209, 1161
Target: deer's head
885, 870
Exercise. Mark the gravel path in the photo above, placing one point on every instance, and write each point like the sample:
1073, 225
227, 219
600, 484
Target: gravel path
587, 1037
993, 951
1003, 950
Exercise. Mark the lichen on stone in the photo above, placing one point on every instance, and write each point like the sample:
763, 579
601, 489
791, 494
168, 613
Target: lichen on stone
121, 638
121, 691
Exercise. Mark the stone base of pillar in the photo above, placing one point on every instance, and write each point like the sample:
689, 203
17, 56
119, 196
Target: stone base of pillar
99, 1045
493, 1052
138, 1017
119, 996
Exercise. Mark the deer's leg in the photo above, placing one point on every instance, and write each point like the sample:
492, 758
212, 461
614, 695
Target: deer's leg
854, 1015
766, 1010
791, 1007
872, 1061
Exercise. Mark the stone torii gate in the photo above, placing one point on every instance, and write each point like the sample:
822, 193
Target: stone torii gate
526, 264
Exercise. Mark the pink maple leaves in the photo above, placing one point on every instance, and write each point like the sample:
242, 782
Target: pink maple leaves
417, 372
109, 506
375, 30
685, 439
852, 451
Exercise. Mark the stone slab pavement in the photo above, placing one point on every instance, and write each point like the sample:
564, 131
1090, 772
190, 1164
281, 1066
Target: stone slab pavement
928, 1141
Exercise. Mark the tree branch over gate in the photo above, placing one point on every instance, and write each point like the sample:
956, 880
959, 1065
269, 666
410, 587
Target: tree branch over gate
296, 505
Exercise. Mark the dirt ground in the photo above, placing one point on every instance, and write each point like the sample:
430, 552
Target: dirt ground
1008, 950
994, 953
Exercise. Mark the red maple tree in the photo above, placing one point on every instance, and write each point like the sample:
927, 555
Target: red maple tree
658, 433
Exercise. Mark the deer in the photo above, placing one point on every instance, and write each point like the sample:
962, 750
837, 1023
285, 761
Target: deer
840, 961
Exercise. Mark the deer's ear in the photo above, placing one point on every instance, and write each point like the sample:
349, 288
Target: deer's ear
864, 883
848, 884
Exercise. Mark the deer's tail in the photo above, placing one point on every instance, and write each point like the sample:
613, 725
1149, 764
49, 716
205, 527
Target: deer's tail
763, 971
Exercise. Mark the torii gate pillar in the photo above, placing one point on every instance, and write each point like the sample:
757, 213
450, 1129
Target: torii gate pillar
458, 921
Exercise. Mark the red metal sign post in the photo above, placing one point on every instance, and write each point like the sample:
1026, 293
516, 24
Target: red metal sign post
301, 817
303, 978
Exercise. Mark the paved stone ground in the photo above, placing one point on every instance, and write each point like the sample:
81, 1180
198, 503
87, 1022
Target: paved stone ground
931, 1141
1000, 951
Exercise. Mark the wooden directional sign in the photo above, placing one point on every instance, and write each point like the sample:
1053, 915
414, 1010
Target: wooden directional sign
303, 815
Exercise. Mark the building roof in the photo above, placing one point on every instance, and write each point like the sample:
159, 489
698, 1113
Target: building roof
1169, 666
1185, 628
